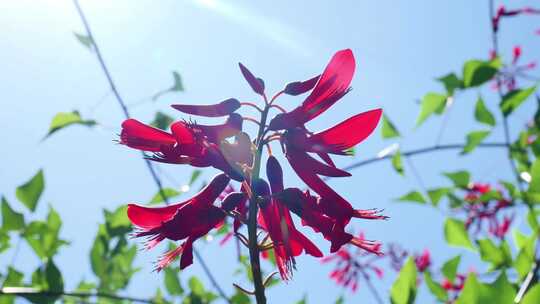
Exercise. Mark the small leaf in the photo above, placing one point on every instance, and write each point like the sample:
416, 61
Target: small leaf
196, 286
532, 296
85, 40
451, 82
172, 283
492, 254
388, 129
404, 288
477, 72
450, 267
512, 100
30, 192
482, 113
459, 178
431, 103
473, 140
194, 176
435, 195
167, 192
534, 185
456, 234
413, 196
53, 277
11, 220
178, 86
162, 121
436, 289
397, 163
65, 119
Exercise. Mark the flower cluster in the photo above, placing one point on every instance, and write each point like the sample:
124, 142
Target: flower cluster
511, 72
238, 156
502, 12
484, 205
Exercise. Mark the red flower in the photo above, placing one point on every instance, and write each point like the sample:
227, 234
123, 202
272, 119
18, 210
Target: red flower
332, 85
187, 220
223, 108
139, 136
423, 261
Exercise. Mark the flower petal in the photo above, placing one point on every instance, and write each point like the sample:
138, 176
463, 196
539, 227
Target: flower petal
301, 87
255, 83
143, 137
223, 108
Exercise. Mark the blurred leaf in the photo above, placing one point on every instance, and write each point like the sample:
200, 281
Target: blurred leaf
53, 277
404, 288
172, 283
29, 192
460, 179
450, 267
435, 195
240, 298
85, 40
178, 86
456, 234
65, 119
413, 196
397, 163
13, 279
167, 192
436, 289
473, 140
195, 176
451, 82
196, 286
532, 296
4, 240
512, 100
11, 220
499, 292
162, 121
303, 300
340, 300
388, 129
44, 237
534, 186
477, 72
431, 103
351, 151
498, 257
117, 222
482, 113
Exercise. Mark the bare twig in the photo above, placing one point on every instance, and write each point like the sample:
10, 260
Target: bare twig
26, 291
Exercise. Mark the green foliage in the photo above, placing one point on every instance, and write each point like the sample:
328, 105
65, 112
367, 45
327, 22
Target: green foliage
512, 100
435, 288
532, 296
451, 82
388, 129
435, 195
13, 278
178, 86
456, 234
11, 220
473, 140
30, 192
404, 288
450, 267
397, 163
194, 176
431, 103
198, 294
475, 292
497, 256
461, 179
413, 196
478, 72
162, 121
44, 236
85, 40
241, 298
65, 119
482, 113
167, 192
172, 282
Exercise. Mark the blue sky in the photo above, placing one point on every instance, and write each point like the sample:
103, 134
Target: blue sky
400, 47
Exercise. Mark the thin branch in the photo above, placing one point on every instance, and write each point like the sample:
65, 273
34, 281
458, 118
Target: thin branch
125, 110
425, 150
25, 291
372, 288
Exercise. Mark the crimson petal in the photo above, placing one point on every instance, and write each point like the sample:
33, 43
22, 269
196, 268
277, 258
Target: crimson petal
143, 137
255, 83
223, 108
301, 87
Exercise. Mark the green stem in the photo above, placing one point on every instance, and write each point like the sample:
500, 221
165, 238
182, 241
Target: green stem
252, 221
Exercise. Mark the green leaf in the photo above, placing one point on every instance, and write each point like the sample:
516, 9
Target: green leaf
29, 192
13, 279
4, 240
404, 288
435, 195
477, 72
436, 289
451, 82
196, 286
65, 119
482, 113
194, 176
397, 162
85, 40
456, 234
162, 121
512, 100
43, 237
340, 300
534, 186
473, 140
459, 178
172, 283
177, 86
240, 298
53, 277
167, 192
498, 257
413, 196
450, 268
388, 129
532, 296
11, 220
431, 103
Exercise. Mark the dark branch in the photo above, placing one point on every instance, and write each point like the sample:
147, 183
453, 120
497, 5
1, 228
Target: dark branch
125, 110
25, 291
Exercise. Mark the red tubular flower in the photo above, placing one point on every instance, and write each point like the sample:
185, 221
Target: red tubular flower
332, 85
301, 87
139, 136
423, 261
223, 108
255, 83
187, 220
